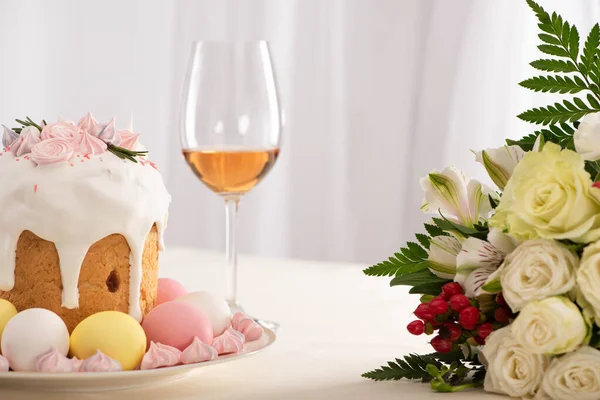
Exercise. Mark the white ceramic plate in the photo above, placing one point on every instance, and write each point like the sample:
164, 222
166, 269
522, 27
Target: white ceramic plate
104, 381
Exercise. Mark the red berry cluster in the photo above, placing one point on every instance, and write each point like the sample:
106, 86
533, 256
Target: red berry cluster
457, 319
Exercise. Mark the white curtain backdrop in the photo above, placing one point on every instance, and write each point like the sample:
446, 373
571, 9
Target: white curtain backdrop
376, 93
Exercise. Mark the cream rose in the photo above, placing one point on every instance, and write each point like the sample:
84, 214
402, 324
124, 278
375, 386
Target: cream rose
550, 195
551, 326
535, 270
576, 376
588, 279
511, 368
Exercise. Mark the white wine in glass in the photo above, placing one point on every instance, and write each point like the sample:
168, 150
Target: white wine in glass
230, 127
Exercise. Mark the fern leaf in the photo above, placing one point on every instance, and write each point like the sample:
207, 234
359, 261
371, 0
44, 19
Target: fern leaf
555, 84
590, 48
573, 42
550, 65
434, 230
557, 51
558, 112
410, 259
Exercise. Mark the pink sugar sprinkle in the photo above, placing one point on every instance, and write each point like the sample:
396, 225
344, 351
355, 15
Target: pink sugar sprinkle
17, 159
87, 156
153, 165
26, 157
81, 160
71, 165
78, 155
34, 188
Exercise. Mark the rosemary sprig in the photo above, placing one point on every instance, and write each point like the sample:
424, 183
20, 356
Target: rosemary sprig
28, 122
125, 154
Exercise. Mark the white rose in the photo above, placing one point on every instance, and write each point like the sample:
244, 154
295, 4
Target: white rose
535, 270
500, 162
587, 137
588, 279
450, 193
510, 368
442, 256
551, 326
576, 376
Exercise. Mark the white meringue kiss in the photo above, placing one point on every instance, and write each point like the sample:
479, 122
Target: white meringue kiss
229, 342
198, 352
87, 123
247, 326
29, 137
9, 136
89, 144
53, 361
100, 362
61, 129
160, 355
107, 133
3, 364
52, 151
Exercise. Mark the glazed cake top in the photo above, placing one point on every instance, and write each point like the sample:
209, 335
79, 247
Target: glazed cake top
74, 184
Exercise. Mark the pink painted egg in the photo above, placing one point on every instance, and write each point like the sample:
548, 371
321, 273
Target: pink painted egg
176, 324
168, 290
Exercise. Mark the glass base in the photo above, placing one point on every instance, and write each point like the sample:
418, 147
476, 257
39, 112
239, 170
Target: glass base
271, 325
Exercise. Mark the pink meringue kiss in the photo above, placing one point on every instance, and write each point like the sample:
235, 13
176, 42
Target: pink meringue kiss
107, 133
128, 139
89, 144
229, 342
247, 326
87, 123
3, 364
160, 355
60, 129
100, 362
29, 137
54, 362
52, 151
77, 363
198, 352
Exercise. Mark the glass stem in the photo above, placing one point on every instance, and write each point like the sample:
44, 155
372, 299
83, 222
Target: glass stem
231, 208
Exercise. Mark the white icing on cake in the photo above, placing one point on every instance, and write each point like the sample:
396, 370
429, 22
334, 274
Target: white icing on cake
75, 204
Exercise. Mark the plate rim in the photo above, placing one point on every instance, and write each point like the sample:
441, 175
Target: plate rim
172, 371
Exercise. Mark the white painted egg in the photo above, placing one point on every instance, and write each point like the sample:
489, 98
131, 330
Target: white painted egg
31, 333
216, 309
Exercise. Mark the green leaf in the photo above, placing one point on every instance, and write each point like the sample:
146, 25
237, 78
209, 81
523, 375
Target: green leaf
449, 226
423, 239
432, 288
590, 48
573, 42
411, 258
434, 230
493, 286
561, 134
554, 84
557, 113
551, 65
420, 277
549, 39
554, 50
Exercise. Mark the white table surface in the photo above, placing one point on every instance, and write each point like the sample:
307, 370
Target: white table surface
336, 324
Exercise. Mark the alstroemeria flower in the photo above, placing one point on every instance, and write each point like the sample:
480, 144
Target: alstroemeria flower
451, 194
500, 162
442, 256
478, 259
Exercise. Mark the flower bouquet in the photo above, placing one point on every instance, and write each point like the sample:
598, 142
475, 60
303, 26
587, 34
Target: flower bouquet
510, 281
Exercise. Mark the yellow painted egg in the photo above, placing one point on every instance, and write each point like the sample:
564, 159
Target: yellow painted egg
7, 311
115, 334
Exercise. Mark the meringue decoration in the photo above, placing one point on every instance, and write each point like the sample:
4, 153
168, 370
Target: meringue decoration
89, 144
129, 140
4, 367
52, 151
198, 352
87, 123
247, 326
29, 137
53, 361
229, 342
107, 133
100, 362
61, 129
77, 363
160, 355
9, 136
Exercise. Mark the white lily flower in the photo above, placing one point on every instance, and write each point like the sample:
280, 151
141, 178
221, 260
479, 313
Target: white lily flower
442, 256
500, 162
479, 259
451, 194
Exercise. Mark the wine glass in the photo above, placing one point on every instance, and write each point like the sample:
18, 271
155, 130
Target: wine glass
230, 127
